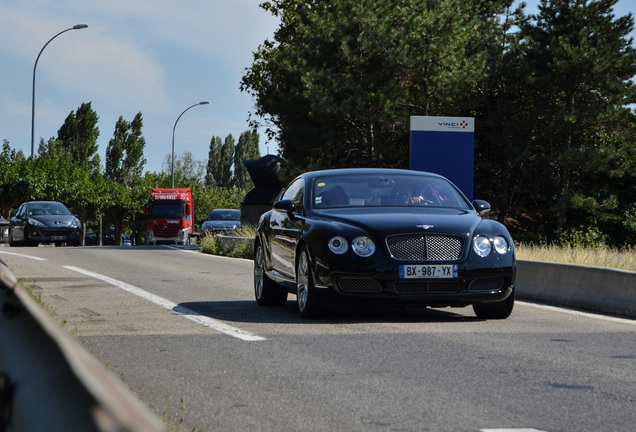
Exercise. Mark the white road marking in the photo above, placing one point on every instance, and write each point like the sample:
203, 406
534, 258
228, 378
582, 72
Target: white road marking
578, 313
171, 306
180, 249
510, 430
23, 256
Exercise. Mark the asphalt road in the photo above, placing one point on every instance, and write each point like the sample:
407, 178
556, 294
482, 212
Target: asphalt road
183, 331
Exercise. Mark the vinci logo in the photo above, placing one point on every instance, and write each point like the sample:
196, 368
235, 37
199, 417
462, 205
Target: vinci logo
463, 124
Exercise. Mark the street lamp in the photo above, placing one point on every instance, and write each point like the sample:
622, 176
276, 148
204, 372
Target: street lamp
75, 27
173, 128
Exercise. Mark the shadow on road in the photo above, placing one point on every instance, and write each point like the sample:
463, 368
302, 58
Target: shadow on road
250, 312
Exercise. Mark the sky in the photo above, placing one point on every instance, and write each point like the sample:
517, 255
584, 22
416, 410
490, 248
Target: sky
156, 57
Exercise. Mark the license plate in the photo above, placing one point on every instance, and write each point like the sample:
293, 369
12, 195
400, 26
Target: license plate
444, 271
58, 237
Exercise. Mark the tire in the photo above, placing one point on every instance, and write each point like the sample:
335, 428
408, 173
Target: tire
309, 305
266, 291
14, 243
499, 310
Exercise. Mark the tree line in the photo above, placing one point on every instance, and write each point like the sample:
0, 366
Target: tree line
552, 94
68, 168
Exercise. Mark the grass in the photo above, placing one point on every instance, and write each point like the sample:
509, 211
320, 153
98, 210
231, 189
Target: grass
597, 256
214, 246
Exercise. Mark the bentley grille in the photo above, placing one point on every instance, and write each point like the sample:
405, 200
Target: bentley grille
425, 247
486, 284
362, 285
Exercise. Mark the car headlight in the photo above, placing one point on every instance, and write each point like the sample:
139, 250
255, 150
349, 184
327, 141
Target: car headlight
338, 245
363, 246
482, 246
75, 223
35, 222
501, 245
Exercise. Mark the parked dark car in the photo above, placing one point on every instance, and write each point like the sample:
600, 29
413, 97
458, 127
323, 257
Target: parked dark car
109, 238
44, 222
221, 221
382, 236
91, 238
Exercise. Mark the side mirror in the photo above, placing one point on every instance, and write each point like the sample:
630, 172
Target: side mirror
286, 206
481, 206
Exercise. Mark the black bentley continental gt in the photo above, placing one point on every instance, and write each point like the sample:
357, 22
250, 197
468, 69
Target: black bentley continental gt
382, 236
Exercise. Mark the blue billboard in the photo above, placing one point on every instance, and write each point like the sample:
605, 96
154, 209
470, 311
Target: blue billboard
446, 146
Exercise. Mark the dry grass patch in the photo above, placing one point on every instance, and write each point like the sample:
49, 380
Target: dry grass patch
599, 256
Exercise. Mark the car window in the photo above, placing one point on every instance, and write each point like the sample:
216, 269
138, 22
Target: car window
295, 192
233, 215
380, 190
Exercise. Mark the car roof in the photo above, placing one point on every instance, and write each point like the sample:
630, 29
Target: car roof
367, 171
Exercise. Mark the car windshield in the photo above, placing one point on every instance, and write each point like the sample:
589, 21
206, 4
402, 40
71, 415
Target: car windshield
48, 208
232, 215
357, 190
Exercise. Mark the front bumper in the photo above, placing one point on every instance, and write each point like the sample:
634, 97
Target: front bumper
181, 236
382, 284
52, 235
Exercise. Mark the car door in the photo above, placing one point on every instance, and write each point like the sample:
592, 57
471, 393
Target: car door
17, 223
285, 228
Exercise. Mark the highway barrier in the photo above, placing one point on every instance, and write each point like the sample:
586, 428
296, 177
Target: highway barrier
49, 382
596, 289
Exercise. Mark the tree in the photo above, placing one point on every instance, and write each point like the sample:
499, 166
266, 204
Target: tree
212, 170
226, 162
124, 154
342, 77
581, 63
187, 170
247, 148
79, 135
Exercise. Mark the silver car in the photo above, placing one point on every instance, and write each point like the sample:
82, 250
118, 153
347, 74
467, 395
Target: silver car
221, 221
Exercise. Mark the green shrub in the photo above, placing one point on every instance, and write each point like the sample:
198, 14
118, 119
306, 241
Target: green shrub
582, 237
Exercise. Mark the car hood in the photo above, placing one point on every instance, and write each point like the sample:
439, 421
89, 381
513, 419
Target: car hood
55, 220
390, 222
221, 224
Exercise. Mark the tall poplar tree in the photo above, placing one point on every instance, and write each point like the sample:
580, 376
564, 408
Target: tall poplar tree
78, 136
226, 161
212, 169
247, 148
125, 152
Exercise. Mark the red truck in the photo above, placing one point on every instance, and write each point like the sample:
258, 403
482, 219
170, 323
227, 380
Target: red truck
170, 216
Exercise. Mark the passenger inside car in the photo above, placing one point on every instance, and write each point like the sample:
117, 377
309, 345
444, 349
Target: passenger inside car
335, 196
403, 195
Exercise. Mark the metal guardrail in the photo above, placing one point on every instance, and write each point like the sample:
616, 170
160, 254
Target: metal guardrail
48, 382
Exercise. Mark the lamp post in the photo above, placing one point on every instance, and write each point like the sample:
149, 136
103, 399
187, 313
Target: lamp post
75, 27
173, 129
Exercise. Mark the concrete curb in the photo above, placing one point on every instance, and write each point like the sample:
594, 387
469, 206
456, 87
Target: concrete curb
594, 288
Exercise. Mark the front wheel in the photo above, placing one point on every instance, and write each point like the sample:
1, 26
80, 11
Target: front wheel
498, 310
309, 305
266, 291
